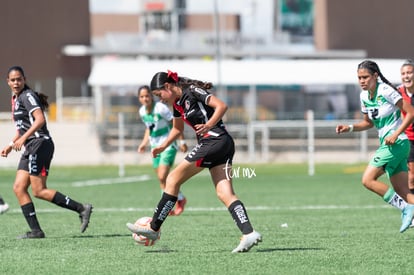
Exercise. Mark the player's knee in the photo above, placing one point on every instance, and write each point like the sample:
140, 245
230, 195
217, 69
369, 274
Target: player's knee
367, 183
39, 193
17, 189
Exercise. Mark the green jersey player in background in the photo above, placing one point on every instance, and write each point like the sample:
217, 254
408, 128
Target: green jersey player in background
157, 118
381, 106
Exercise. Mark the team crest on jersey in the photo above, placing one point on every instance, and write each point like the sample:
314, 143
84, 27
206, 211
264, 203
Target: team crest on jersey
187, 104
16, 105
380, 100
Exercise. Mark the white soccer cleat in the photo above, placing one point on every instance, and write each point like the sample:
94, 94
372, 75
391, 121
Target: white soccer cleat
145, 231
4, 208
247, 242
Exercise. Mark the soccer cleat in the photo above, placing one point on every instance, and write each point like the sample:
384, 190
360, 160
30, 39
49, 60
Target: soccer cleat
407, 217
4, 208
35, 234
145, 231
85, 216
248, 241
179, 207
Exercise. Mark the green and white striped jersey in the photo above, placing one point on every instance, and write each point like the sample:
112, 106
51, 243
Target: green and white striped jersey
158, 122
382, 111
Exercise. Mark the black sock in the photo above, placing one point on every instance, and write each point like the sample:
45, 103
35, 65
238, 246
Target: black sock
165, 205
1, 200
30, 214
239, 214
66, 202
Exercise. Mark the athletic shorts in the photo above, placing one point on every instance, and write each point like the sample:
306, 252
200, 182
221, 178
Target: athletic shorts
393, 158
37, 156
166, 158
212, 151
411, 155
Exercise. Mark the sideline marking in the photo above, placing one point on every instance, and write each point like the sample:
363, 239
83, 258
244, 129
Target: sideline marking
204, 209
110, 181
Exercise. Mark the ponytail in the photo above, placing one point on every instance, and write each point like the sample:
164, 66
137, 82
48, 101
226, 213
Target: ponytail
160, 78
372, 68
43, 100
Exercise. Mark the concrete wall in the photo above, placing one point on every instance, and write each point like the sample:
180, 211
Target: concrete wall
381, 27
33, 33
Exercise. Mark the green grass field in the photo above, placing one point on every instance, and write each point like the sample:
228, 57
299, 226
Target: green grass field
334, 225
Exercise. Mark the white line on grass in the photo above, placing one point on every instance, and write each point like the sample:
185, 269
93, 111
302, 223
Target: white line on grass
204, 209
110, 181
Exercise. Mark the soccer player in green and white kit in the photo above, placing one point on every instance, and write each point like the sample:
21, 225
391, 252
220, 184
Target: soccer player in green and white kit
157, 118
381, 105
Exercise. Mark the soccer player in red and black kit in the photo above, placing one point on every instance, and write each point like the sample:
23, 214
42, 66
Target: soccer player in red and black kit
196, 106
28, 109
407, 91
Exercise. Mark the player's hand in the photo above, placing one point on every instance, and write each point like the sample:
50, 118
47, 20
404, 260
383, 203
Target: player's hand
141, 149
342, 129
18, 144
183, 147
6, 150
202, 129
156, 151
390, 140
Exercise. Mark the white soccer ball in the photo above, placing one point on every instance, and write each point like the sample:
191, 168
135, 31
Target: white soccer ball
142, 240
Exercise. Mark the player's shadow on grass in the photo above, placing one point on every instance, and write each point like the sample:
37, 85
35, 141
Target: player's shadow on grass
161, 251
290, 249
102, 236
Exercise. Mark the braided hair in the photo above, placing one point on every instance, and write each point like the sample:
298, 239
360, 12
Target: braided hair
372, 68
42, 97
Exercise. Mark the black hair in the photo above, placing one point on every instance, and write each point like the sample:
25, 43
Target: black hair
143, 87
372, 68
160, 78
42, 97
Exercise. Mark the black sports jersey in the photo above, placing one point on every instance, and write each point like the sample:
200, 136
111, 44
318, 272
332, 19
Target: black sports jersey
193, 109
24, 105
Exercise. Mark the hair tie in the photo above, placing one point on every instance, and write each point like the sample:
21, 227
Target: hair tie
173, 76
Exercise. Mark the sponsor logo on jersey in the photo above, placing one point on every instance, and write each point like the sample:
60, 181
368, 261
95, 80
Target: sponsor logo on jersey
200, 91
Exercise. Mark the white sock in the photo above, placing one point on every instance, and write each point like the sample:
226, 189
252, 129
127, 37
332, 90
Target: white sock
397, 201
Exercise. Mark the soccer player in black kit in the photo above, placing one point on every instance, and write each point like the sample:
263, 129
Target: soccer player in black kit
196, 106
28, 109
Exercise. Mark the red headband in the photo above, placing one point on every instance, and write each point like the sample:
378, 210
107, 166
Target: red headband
173, 76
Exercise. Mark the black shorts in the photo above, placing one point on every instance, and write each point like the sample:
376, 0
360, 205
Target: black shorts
37, 156
212, 151
411, 155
